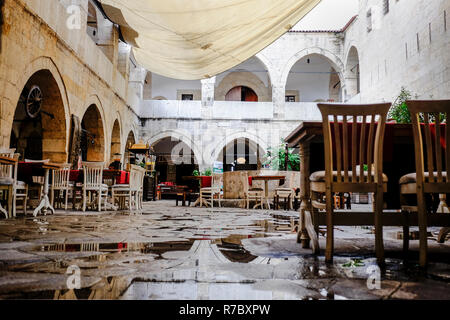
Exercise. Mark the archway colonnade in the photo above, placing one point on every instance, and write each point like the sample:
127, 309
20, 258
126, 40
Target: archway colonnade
42, 124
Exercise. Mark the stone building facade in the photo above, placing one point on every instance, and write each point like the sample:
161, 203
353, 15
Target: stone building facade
88, 72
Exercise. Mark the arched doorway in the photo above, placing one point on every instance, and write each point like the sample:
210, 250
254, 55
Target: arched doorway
249, 81
115, 140
241, 93
92, 137
313, 78
39, 126
352, 74
241, 154
175, 159
131, 140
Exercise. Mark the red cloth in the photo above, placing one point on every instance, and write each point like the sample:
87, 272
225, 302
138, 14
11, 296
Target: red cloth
250, 181
206, 182
77, 176
433, 134
26, 171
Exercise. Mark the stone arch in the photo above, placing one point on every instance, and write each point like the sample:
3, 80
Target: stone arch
181, 137
352, 73
116, 141
93, 138
36, 65
334, 61
159, 98
256, 140
41, 134
247, 79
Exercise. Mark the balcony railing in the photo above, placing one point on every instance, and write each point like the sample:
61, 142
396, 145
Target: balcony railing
227, 110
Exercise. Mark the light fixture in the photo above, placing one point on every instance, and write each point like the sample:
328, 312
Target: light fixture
241, 161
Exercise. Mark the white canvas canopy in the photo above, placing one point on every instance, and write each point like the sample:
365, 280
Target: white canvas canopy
197, 39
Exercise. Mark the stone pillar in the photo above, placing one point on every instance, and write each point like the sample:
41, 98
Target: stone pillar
208, 86
279, 100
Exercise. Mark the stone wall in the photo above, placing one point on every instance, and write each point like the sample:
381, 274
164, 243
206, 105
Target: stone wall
35, 37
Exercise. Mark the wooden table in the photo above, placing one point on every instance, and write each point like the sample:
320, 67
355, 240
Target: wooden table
266, 180
198, 178
45, 204
11, 162
308, 136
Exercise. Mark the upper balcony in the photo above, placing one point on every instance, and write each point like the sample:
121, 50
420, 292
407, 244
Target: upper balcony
227, 110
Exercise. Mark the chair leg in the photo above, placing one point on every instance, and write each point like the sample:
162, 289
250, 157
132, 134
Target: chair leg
330, 228
14, 205
10, 201
379, 246
52, 197
423, 241
25, 201
84, 200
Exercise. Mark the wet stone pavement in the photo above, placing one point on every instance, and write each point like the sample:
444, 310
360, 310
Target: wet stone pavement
172, 252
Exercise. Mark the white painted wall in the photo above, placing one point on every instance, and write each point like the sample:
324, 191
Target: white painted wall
167, 87
311, 80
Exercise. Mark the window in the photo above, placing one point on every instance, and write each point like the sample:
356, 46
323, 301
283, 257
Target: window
386, 6
369, 20
188, 97
290, 98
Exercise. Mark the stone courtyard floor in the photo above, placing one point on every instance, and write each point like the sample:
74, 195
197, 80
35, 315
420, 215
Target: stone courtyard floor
172, 252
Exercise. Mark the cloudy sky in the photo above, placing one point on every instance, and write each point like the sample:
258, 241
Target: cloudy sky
329, 15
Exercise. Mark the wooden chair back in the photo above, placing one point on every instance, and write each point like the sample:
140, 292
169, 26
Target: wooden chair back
61, 176
137, 174
432, 143
353, 152
217, 181
7, 171
93, 174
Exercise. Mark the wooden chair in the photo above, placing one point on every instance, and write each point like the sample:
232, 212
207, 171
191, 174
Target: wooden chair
8, 182
132, 192
61, 184
347, 172
215, 190
93, 182
285, 192
432, 156
252, 194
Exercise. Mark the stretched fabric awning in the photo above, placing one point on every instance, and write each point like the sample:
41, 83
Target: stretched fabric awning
197, 39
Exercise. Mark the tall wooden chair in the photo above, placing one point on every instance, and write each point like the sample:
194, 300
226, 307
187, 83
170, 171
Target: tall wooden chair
253, 193
93, 182
346, 159
8, 182
432, 156
61, 184
215, 190
132, 192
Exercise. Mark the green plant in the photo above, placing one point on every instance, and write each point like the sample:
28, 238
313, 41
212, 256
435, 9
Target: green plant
354, 263
276, 158
195, 173
399, 110
207, 173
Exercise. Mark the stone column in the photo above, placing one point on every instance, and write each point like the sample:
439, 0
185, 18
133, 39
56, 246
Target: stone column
208, 86
279, 100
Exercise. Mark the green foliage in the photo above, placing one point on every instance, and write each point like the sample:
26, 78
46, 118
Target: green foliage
276, 158
195, 173
399, 110
207, 173
353, 263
